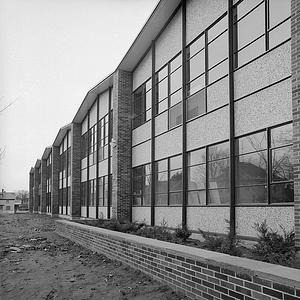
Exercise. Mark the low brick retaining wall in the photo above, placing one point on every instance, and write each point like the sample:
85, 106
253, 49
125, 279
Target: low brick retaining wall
198, 273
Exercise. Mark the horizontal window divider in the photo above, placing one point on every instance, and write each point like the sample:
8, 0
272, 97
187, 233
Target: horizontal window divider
281, 146
211, 41
252, 42
140, 143
281, 182
195, 54
255, 151
280, 23
261, 55
252, 185
249, 12
217, 64
194, 79
175, 70
265, 204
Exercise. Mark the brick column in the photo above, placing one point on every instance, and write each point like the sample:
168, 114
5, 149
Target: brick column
121, 151
295, 43
31, 185
54, 186
36, 182
44, 173
75, 210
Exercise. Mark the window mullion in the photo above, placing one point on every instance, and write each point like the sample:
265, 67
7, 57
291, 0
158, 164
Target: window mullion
269, 165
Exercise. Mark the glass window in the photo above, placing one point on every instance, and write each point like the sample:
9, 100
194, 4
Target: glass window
196, 66
251, 143
161, 183
196, 46
196, 85
196, 105
175, 63
218, 28
279, 10
251, 194
162, 90
218, 50
196, 198
281, 136
176, 80
197, 157
175, 180
176, 162
218, 197
282, 193
175, 115
218, 71
280, 34
176, 98
282, 164
197, 177
175, 199
245, 6
218, 174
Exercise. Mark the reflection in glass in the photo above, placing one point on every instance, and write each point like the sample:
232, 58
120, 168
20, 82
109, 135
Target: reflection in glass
197, 198
197, 157
161, 182
176, 162
219, 196
196, 105
282, 164
175, 199
282, 193
175, 115
218, 174
281, 136
197, 177
218, 151
251, 143
161, 199
251, 195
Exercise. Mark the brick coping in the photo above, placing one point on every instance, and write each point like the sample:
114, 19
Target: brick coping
284, 274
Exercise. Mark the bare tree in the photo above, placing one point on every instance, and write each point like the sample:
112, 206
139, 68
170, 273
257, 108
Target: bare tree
23, 195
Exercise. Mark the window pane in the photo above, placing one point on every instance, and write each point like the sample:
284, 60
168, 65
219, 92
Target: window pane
176, 180
176, 80
218, 151
162, 73
251, 195
218, 173
279, 10
282, 135
162, 89
176, 97
196, 66
251, 27
147, 185
175, 115
175, 63
196, 46
161, 199
162, 106
218, 28
251, 169
137, 200
251, 143
161, 165
148, 84
139, 101
280, 34
175, 198
147, 200
176, 162
218, 71
161, 182
282, 164
282, 193
196, 85
245, 6
220, 196
218, 50
252, 51
197, 198
196, 105
197, 177
148, 99
196, 157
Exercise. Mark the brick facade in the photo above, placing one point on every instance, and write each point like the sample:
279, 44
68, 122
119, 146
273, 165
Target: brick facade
54, 186
31, 188
121, 151
75, 170
44, 172
295, 44
198, 273
36, 189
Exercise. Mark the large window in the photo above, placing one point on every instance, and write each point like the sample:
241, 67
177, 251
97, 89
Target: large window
92, 145
207, 61
142, 100
141, 185
169, 91
168, 181
103, 140
208, 175
103, 189
264, 169
92, 193
260, 26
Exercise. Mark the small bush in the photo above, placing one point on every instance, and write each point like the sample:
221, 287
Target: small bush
228, 244
273, 247
182, 233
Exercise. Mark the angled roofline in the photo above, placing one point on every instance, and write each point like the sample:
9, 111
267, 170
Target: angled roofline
46, 152
61, 134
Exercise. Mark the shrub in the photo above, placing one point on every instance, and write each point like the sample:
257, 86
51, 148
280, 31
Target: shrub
228, 244
273, 247
182, 233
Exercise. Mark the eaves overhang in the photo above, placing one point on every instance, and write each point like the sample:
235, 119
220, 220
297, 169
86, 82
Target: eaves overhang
46, 153
38, 163
61, 134
90, 97
31, 170
149, 32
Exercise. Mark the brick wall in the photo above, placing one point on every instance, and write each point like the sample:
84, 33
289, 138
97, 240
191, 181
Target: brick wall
54, 186
31, 183
198, 273
36, 183
121, 152
75, 170
295, 43
44, 172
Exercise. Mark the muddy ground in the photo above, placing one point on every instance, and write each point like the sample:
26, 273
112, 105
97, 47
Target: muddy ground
36, 263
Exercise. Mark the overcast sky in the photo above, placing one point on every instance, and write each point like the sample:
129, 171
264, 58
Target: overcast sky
52, 53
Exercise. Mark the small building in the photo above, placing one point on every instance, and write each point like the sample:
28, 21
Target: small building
8, 202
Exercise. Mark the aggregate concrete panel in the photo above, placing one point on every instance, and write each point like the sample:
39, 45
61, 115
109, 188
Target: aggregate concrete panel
208, 129
168, 144
102, 212
92, 172
141, 133
246, 217
201, 14
103, 104
143, 71
171, 215
264, 71
141, 154
218, 94
169, 42
93, 115
161, 123
141, 214
212, 219
266, 108
103, 168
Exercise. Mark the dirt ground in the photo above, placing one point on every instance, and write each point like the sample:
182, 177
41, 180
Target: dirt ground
36, 263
